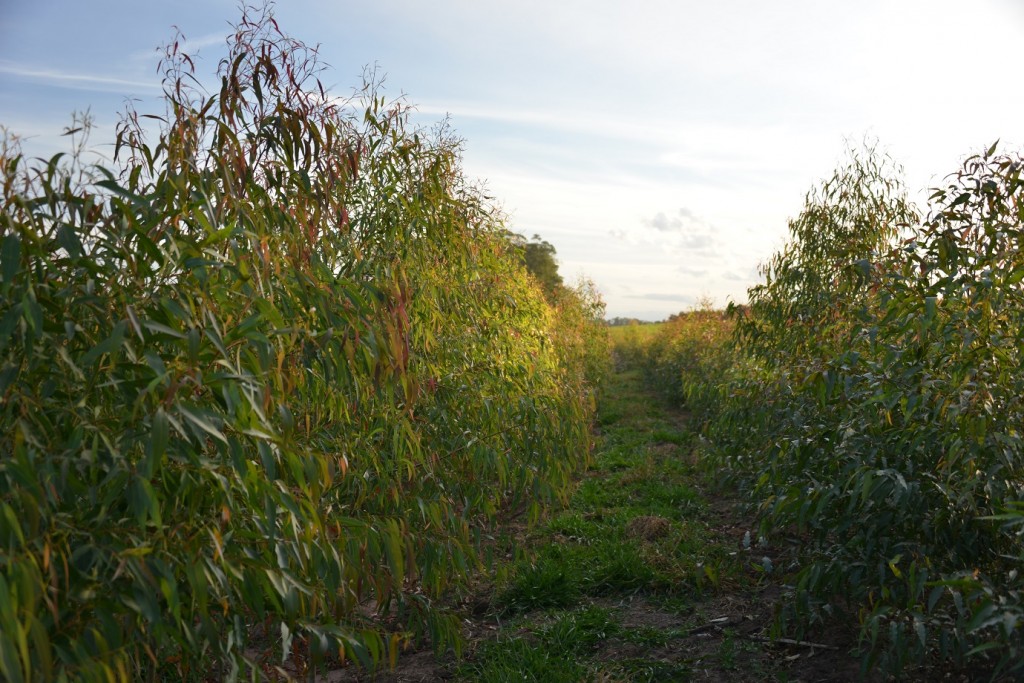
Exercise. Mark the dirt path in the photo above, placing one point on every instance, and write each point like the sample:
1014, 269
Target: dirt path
648, 575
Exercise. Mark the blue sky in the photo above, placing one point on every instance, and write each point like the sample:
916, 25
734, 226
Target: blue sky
660, 146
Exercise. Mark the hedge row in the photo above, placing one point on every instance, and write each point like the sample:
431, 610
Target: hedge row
265, 384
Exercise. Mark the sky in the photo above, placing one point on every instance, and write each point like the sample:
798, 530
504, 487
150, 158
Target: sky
660, 146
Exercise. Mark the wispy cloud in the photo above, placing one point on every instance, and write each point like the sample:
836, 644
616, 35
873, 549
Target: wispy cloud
77, 81
707, 151
572, 121
750, 275
663, 223
685, 298
207, 40
692, 232
693, 271
191, 45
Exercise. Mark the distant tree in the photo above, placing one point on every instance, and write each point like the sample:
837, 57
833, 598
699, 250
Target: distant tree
620, 321
538, 256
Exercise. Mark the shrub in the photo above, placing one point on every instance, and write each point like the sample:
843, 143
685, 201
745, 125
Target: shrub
262, 384
879, 413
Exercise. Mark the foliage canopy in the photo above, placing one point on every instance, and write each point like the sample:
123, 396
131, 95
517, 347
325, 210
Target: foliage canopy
264, 385
538, 256
871, 400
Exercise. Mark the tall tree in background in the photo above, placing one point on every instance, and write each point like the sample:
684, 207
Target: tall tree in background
539, 258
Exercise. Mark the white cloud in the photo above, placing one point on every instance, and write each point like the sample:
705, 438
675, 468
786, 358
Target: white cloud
664, 223
594, 120
684, 298
81, 81
689, 233
190, 45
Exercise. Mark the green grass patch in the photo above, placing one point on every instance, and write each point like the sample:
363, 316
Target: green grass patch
580, 631
624, 333
548, 582
632, 527
519, 659
549, 652
654, 671
671, 436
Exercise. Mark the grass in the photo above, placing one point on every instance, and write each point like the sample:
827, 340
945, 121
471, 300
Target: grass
518, 659
625, 333
644, 576
654, 671
632, 534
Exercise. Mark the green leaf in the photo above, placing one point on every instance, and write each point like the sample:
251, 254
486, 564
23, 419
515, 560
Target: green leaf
894, 568
984, 647
33, 312
1015, 276
159, 437
67, 238
10, 662
393, 549
193, 336
162, 329
143, 501
108, 345
42, 650
116, 188
9, 322
203, 422
10, 257
983, 615
929, 309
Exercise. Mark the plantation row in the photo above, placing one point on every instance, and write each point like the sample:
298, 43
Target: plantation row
871, 397
265, 384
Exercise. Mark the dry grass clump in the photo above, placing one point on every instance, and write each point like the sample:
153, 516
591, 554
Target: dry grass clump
648, 527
